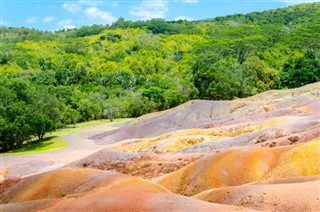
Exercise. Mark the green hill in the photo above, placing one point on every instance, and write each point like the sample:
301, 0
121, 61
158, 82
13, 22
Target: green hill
50, 79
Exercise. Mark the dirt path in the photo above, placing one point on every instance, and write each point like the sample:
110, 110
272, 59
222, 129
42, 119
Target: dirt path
80, 146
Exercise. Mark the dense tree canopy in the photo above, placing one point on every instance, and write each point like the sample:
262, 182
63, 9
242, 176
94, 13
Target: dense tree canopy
51, 79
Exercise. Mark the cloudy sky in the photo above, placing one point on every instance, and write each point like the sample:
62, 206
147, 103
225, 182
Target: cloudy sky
59, 14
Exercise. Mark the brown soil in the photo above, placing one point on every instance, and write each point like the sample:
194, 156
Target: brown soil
144, 165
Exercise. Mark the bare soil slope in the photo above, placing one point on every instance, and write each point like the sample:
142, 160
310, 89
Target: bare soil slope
94, 190
264, 109
241, 166
146, 165
284, 196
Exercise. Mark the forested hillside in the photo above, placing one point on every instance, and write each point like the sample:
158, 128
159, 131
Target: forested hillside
51, 79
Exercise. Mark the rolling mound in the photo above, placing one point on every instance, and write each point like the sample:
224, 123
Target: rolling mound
241, 166
169, 142
303, 160
167, 121
50, 184
269, 197
261, 108
279, 131
54, 191
273, 118
146, 165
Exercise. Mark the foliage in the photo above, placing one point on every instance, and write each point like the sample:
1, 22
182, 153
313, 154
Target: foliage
52, 79
300, 71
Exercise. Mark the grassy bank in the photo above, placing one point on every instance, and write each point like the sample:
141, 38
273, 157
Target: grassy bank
54, 140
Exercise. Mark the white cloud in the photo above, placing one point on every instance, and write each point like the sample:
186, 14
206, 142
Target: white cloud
69, 26
48, 19
190, 1
71, 7
100, 15
64, 22
182, 18
150, 9
32, 19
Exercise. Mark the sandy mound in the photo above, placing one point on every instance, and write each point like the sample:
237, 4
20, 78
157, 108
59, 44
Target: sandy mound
241, 166
202, 113
233, 167
135, 196
285, 130
169, 142
299, 196
146, 165
167, 121
273, 118
298, 179
50, 185
35, 205
105, 190
303, 160
280, 131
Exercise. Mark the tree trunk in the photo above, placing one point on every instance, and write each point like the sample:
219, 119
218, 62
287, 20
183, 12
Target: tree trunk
40, 136
19, 144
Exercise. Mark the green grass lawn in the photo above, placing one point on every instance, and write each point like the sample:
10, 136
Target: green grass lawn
54, 140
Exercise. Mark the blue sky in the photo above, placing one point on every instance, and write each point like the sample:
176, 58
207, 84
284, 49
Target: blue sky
58, 14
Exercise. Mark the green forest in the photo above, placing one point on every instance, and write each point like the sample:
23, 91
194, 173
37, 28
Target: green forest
52, 79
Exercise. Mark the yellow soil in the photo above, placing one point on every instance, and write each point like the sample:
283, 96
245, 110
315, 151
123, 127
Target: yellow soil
186, 141
3, 173
271, 123
178, 140
303, 160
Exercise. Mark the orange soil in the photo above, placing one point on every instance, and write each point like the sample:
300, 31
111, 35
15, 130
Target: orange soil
241, 166
106, 192
56, 183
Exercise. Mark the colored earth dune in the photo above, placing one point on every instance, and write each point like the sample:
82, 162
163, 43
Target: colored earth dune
256, 154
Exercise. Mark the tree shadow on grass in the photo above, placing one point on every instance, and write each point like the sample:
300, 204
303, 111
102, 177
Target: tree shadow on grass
35, 145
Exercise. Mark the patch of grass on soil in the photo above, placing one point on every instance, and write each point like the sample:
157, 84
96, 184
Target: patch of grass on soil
54, 140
